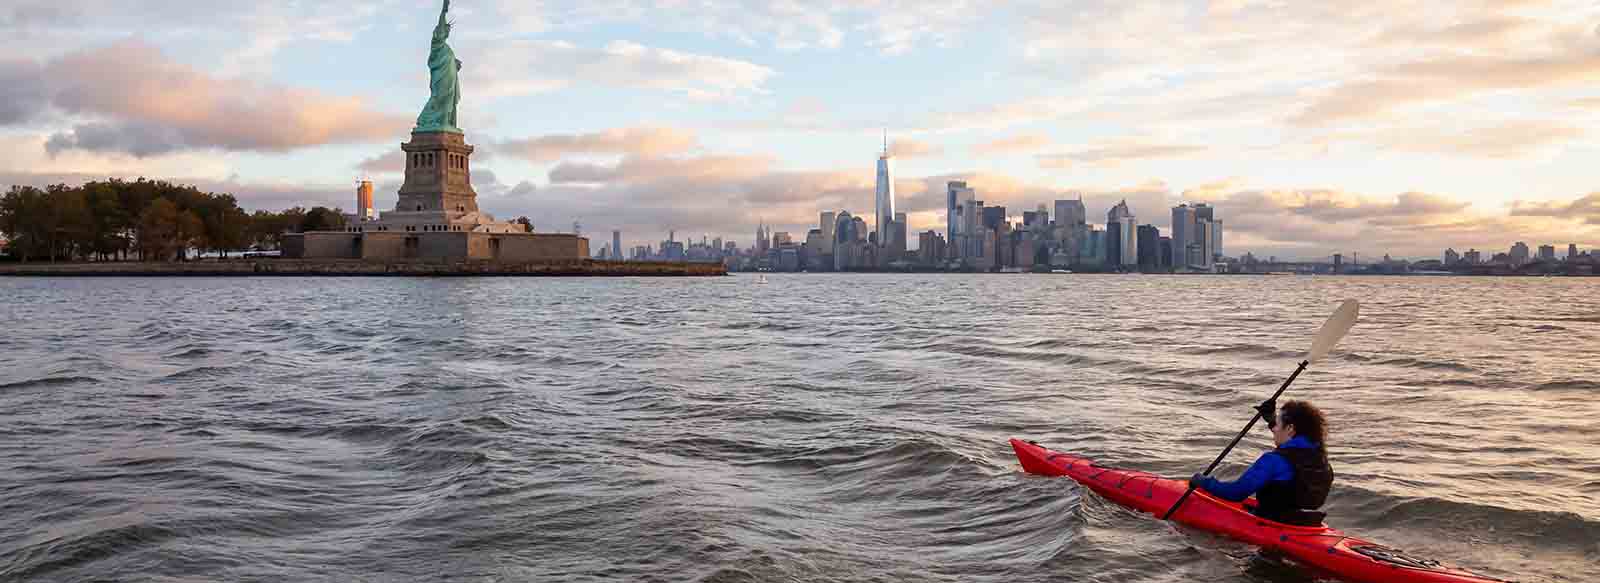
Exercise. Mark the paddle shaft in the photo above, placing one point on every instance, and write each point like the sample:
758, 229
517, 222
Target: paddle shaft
1246, 431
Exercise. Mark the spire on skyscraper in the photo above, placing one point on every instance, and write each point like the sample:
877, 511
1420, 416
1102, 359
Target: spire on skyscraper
883, 206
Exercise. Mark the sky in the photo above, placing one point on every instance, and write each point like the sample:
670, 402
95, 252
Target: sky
1315, 128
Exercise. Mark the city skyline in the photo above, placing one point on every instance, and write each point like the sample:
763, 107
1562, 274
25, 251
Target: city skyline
1366, 131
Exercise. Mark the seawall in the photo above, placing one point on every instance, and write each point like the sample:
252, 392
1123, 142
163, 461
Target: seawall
349, 267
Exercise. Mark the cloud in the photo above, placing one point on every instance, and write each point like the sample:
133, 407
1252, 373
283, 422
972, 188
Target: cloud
889, 26
390, 163
145, 104
22, 95
520, 67
642, 141
1447, 79
1315, 223
1116, 153
523, 189
1491, 31
1337, 206
1019, 144
908, 148
1511, 139
138, 138
1211, 191
633, 170
28, 154
1585, 208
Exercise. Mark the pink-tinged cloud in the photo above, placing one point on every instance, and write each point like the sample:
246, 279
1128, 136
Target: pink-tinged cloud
1448, 78
390, 163
522, 67
1022, 144
635, 170
1585, 208
643, 141
146, 104
1117, 153
1499, 140
908, 148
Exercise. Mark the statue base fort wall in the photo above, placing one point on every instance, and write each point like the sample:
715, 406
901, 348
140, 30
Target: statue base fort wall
401, 245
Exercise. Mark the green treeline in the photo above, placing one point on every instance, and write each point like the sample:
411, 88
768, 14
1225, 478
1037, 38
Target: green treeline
148, 220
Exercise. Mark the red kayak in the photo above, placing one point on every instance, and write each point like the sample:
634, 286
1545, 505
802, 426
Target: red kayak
1321, 547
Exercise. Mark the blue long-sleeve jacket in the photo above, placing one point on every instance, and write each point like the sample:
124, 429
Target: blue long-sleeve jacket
1270, 467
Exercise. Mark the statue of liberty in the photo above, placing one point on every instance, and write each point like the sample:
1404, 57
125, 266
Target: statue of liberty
439, 115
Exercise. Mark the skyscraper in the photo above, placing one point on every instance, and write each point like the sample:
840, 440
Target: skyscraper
616, 245
1572, 251
885, 204
1206, 234
825, 222
963, 219
1149, 248
844, 240
898, 242
1122, 243
1183, 234
1070, 213
1216, 239
1519, 253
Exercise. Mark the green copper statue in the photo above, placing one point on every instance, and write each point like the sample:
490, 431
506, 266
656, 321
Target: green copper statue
439, 115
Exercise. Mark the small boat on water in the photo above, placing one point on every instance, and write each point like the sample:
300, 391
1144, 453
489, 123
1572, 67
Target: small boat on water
762, 278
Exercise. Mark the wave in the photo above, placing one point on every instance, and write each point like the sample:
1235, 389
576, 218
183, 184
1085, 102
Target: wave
200, 372
1543, 529
1427, 365
56, 381
1566, 386
73, 550
1242, 349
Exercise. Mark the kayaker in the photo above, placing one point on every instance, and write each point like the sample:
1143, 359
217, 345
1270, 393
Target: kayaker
1291, 482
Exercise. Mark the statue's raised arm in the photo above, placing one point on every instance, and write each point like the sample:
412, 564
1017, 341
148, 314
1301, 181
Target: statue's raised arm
444, 84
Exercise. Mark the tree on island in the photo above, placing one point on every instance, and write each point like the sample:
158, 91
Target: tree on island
143, 219
322, 219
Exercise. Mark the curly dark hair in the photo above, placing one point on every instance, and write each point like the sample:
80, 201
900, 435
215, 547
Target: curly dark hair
1307, 420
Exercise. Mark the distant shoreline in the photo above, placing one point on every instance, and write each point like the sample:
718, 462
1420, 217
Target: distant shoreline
357, 268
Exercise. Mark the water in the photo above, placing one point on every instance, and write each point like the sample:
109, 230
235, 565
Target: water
819, 428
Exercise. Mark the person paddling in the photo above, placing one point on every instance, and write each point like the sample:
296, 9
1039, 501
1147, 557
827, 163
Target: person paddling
1291, 482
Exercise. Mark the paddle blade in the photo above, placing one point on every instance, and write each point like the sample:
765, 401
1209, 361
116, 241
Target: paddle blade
1334, 329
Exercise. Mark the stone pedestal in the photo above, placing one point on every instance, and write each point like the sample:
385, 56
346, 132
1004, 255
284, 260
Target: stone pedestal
437, 195
438, 174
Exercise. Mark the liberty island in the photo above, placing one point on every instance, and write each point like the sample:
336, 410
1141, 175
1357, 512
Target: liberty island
436, 215
435, 227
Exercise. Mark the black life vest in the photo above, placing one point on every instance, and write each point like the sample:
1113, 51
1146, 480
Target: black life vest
1296, 501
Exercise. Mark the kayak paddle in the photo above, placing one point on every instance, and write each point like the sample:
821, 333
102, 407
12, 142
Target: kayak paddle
1332, 330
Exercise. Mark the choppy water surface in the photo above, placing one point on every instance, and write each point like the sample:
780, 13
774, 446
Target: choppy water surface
819, 428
